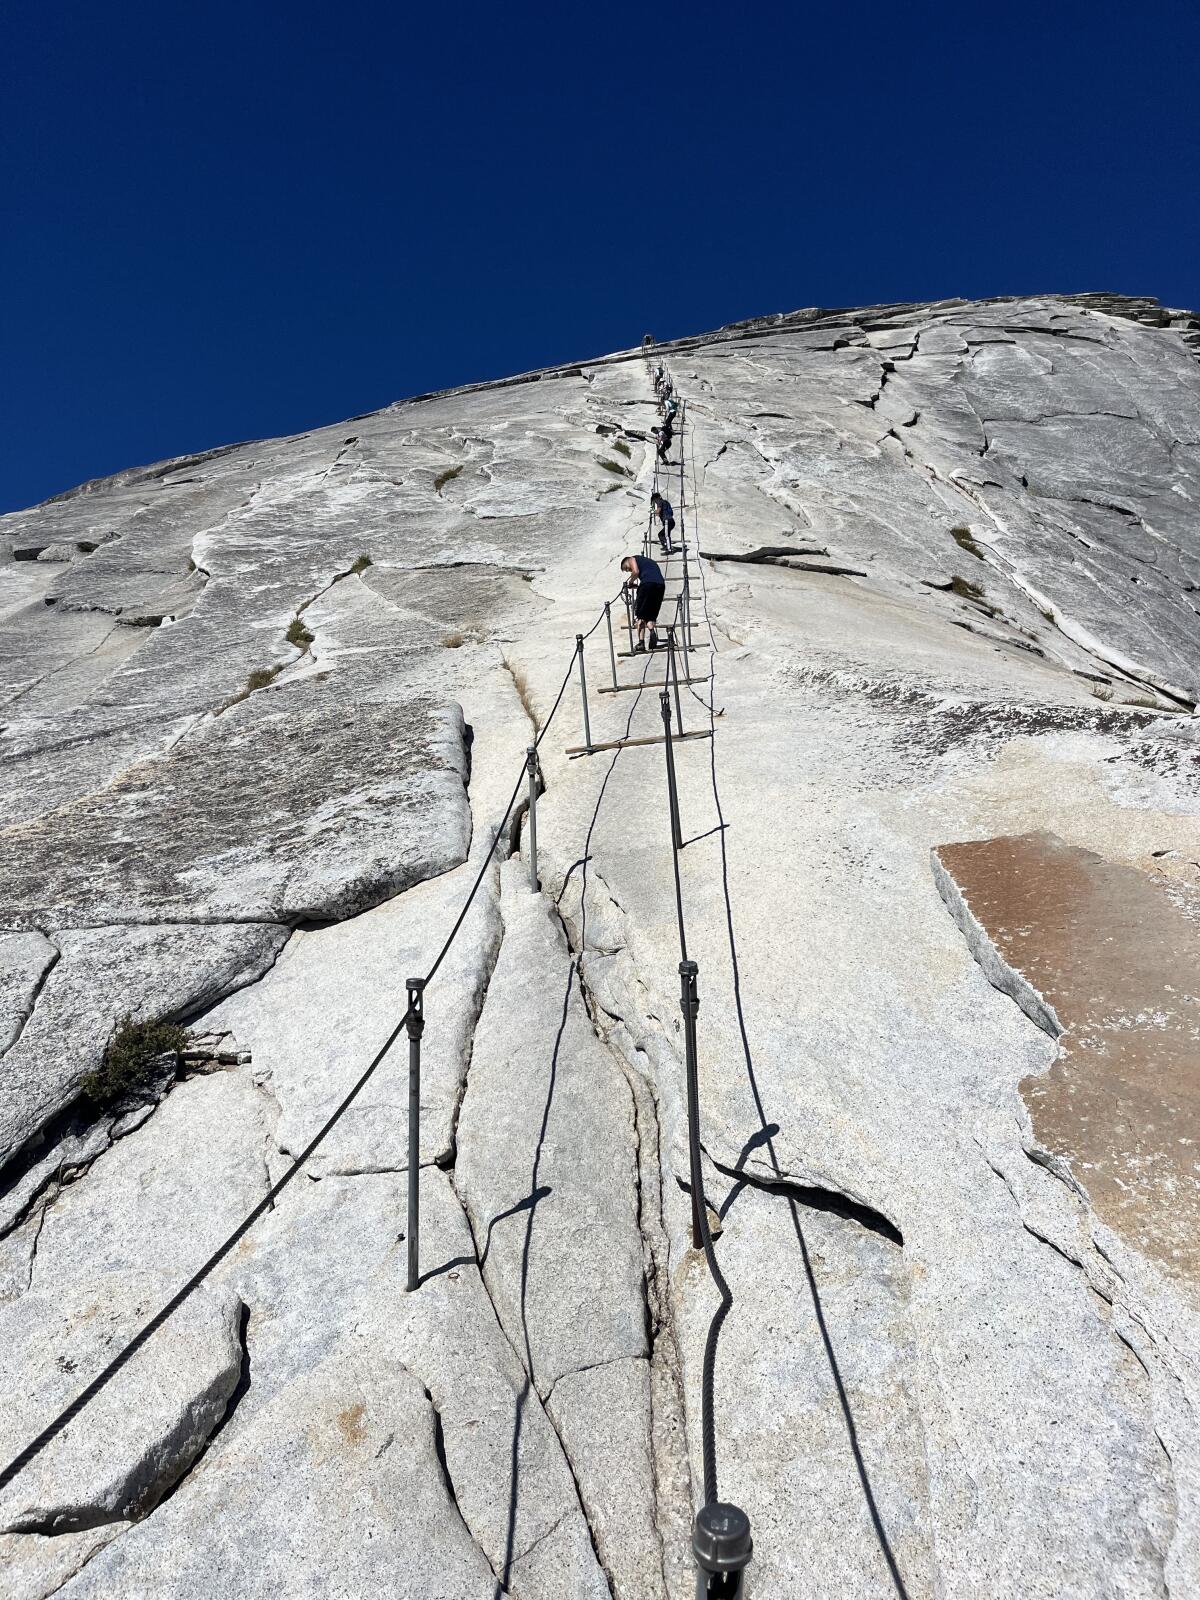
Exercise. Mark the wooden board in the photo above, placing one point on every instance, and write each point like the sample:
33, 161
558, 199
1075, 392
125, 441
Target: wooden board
621, 744
652, 683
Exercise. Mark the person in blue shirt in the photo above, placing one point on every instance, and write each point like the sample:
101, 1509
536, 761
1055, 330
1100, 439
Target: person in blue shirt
665, 513
645, 576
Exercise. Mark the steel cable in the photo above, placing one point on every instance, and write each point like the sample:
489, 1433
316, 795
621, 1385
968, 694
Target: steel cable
873, 1511
123, 1356
695, 1149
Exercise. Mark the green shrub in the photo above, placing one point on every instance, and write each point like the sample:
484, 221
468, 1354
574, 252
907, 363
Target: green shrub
962, 538
966, 589
615, 466
261, 677
360, 564
622, 448
130, 1057
298, 634
443, 478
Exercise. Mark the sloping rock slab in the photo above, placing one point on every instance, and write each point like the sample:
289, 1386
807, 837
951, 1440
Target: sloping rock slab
334, 1489
283, 808
103, 974
143, 1429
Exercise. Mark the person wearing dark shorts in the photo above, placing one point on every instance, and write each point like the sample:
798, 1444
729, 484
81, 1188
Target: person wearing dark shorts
647, 577
666, 518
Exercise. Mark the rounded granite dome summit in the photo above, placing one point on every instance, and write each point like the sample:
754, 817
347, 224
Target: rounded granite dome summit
932, 592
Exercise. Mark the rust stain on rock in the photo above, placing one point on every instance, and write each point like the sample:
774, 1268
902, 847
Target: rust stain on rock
351, 1422
1097, 955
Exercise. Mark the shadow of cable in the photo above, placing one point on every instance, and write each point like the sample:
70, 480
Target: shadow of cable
527, 1204
529, 1207
536, 1191
764, 1138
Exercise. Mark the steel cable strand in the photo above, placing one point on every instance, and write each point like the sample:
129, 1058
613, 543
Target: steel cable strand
124, 1355
54, 1428
712, 1339
558, 699
700, 701
713, 650
700, 1210
752, 1078
822, 1326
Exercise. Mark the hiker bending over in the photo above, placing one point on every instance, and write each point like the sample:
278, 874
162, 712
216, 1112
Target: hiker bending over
645, 577
665, 513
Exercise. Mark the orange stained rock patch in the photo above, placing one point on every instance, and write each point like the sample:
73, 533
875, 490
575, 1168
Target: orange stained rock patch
351, 1422
1118, 965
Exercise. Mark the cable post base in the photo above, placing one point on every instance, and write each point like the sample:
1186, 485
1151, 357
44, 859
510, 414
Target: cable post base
722, 1546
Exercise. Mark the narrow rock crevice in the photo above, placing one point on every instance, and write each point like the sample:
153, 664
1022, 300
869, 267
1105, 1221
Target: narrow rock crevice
522, 688
174, 1465
35, 992
240, 1390
774, 556
82, 1122
439, 1450
447, 1158
813, 1196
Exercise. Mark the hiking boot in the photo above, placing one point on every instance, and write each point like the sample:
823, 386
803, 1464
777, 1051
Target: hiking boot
653, 639
639, 648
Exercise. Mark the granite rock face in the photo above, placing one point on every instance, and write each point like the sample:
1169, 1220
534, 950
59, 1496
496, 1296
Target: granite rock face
262, 713
145, 1427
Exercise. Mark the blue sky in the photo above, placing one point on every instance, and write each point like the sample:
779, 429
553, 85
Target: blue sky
227, 221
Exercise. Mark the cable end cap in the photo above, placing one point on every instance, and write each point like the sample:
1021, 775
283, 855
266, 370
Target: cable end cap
721, 1539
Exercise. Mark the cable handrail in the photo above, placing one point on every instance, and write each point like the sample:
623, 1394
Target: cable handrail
146, 1332
721, 1533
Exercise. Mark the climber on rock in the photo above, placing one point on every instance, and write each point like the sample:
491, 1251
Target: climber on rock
665, 513
665, 437
646, 578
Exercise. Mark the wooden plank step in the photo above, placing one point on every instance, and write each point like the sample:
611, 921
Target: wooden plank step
654, 683
621, 744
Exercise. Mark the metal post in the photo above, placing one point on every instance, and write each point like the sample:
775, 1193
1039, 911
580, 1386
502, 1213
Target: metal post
689, 1004
673, 675
672, 792
612, 649
531, 766
416, 1027
587, 726
722, 1546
